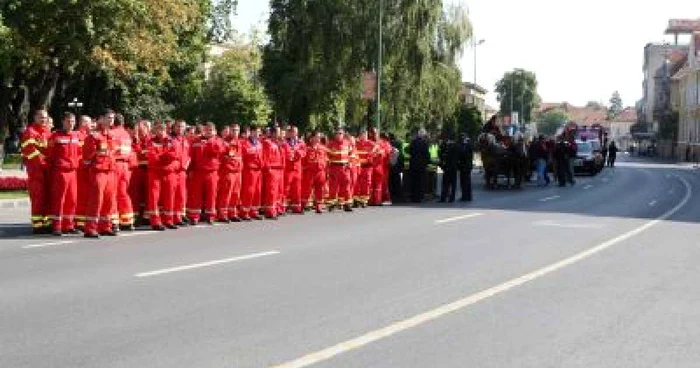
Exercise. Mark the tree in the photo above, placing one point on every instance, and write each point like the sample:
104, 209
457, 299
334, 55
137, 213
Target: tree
595, 105
551, 120
518, 89
233, 92
616, 105
466, 119
318, 52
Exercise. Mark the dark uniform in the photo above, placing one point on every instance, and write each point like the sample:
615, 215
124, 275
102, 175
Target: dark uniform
449, 155
418, 166
466, 165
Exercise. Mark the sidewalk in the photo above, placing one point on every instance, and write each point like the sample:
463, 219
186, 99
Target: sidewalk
13, 173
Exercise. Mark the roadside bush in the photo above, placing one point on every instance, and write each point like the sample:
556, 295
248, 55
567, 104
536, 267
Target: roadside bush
12, 183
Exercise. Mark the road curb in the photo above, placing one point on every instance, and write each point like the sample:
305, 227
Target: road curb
14, 203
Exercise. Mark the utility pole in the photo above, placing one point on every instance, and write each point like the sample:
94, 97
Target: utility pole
379, 70
475, 45
512, 91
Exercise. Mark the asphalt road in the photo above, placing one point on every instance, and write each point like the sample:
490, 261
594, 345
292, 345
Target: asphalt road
603, 274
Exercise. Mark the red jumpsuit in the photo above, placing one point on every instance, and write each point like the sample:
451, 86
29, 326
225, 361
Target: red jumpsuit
122, 175
252, 180
273, 171
314, 178
366, 150
63, 155
163, 170
201, 195
281, 183
339, 172
98, 151
295, 151
354, 167
34, 143
83, 181
138, 190
380, 177
230, 178
181, 185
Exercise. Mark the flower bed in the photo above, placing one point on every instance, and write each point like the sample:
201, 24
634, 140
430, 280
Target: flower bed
12, 183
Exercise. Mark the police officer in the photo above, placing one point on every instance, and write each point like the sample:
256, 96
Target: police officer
449, 156
466, 165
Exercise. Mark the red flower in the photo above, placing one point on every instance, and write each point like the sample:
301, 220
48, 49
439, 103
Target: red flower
12, 183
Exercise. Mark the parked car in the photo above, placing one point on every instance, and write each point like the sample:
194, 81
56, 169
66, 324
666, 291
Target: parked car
588, 160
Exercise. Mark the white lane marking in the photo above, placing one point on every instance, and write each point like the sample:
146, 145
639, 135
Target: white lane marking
588, 187
48, 244
417, 320
550, 223
653, 203
457, 218
550, 198
205, 264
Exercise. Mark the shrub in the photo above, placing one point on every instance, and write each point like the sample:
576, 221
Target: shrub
12, 183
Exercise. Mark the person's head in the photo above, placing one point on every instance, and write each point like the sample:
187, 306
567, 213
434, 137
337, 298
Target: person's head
86, 123
68, 122
245, 132
179, 128
119, 120
160, 130
41, 117
363, 134
292, 132
373, 133
109, 116
49, 123
422, 133
235, 131
315, 137
103, 123
339, 133
275, 132
255, 133
225, 132
209, 130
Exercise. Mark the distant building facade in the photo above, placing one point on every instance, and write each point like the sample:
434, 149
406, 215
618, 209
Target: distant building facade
474, 95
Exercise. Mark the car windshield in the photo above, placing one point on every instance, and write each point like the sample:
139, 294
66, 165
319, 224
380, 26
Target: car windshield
584, 147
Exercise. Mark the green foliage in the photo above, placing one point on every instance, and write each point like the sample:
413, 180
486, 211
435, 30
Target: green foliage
221, 29
466, 119
616, 105
233, 92
551, 120
520, 87
318, 52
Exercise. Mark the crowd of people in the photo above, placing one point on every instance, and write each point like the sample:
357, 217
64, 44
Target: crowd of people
103, 176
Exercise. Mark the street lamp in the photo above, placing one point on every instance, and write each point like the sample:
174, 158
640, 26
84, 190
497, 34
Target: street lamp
474, 45
76, 105
379, 70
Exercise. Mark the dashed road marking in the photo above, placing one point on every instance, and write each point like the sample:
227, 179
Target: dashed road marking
588, 187
205, 264
458, 305
457, 218
551, 223
41, 245
550, 198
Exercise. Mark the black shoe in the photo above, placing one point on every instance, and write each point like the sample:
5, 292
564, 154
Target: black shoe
158, 228
171, 227
223, 221
194, 223
347, 208
246, 219
181, 224
127, 228
210, 222
331, 208
441, 201
108, 233
235, 219
465, 199
115, 228
451, 201
259, 218
57, 233
91, 235
271, 217
72, 232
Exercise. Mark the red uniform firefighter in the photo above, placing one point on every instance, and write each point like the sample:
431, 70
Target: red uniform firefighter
388, 149
87, 125
138, 187
201, 195
98, 152
179, 138
252, 176
380, 170
339, 150
229, 196
122, 173
163, 170
354, 166
63, 155
281, 205
314, 176
366, 150
295, 151
34, 144
273, 170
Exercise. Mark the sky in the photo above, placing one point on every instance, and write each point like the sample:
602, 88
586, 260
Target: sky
580, 50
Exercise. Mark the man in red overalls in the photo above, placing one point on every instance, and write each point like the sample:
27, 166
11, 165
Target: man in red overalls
163, 172
295, 151
201, 197
229, 195
179, 138
273, 170
339, 150
87, 125
354, 166
379, 173
314, 177
122, 172
34, 143
252, 184
138, 190
63, 155
98, 152
366, 149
